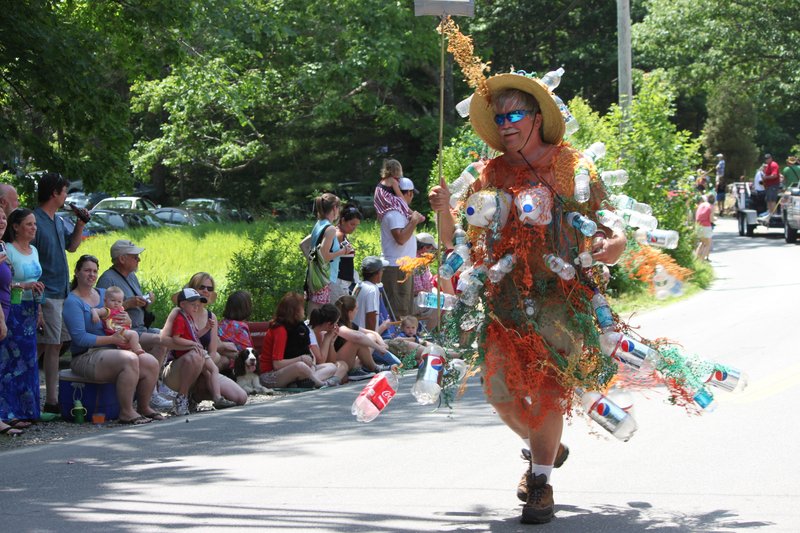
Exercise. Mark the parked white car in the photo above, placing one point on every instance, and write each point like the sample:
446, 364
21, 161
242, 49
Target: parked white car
126, 202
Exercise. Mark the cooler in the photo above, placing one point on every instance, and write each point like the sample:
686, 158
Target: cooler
96, 396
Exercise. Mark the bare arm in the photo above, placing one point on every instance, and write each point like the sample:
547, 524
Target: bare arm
401, 235
327, 242
439, 198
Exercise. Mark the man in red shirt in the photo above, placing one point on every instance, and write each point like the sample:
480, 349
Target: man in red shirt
772, 181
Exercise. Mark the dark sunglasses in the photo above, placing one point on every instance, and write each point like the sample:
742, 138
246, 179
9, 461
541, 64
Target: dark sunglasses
209, 288
511, 116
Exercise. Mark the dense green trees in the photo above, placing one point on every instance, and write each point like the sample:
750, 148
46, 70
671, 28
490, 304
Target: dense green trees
264, 101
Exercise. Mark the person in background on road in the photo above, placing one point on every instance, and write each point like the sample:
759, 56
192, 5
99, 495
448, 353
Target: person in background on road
9, 200
703, 218
720, 184
125, 260
772, 182
398, 240
96, 356
349, 219
791, 172
53, 241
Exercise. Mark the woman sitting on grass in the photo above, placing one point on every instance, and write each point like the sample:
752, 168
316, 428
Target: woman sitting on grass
286, 356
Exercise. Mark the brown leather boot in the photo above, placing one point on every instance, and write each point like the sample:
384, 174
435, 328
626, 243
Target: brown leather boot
522, 487
538, 508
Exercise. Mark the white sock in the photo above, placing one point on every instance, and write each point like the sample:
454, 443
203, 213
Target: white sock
541, 469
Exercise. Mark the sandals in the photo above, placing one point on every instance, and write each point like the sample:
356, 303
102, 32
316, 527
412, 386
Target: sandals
155, 416
11, 431
135, 421
19, 424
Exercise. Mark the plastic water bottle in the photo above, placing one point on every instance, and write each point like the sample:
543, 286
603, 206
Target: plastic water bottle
455, 261
429, 377
563, 269
727, 378
595, 152
462, 183
703, 398
459, 235
488, 208
608, 414
631, 352
473, 285
375, 396
570, 122
623, 201
529, 306
660, 238
584, 259
581, 223
581, 193
462, 108
614, 177
662, 282
429, 300
611, 220
553, 78
602, 311
534, 206
501, 268
638, 220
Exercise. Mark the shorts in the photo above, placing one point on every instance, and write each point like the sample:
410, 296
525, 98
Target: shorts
85, 364
55, 332
772, 193
720, 197
322, 296
704, 232
269, 379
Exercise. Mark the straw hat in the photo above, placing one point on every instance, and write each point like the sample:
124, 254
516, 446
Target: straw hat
792, 160
481, 112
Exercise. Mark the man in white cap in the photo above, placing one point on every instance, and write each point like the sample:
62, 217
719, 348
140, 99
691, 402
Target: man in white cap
530, 343
125, 257
397, 240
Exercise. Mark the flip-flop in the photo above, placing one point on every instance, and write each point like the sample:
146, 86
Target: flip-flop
155, 416
138, 421
19, 424
11, 432
48, 417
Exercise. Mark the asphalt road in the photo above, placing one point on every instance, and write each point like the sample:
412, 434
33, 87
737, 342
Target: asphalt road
304, 463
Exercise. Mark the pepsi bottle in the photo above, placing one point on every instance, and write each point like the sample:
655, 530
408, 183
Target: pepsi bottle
427, 388
608, 414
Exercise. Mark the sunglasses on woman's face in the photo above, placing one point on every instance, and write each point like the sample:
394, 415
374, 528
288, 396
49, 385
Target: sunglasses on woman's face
511, 116
209, 288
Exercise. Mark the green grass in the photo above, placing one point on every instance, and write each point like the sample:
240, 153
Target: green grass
173, 255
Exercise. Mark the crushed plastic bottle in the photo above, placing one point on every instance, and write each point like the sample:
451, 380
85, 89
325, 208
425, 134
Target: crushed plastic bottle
581, 223
427, 387
582, 190
503, 266
595, 152
614, 177
462, 183
375, 396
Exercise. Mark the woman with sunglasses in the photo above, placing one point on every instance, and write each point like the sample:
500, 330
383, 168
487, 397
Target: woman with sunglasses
19, 372
208, 334
96, 356
349, 219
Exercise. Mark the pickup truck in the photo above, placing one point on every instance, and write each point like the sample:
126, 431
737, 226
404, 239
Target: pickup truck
751, 210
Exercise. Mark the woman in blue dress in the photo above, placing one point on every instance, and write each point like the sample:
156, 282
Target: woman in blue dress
19, 372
